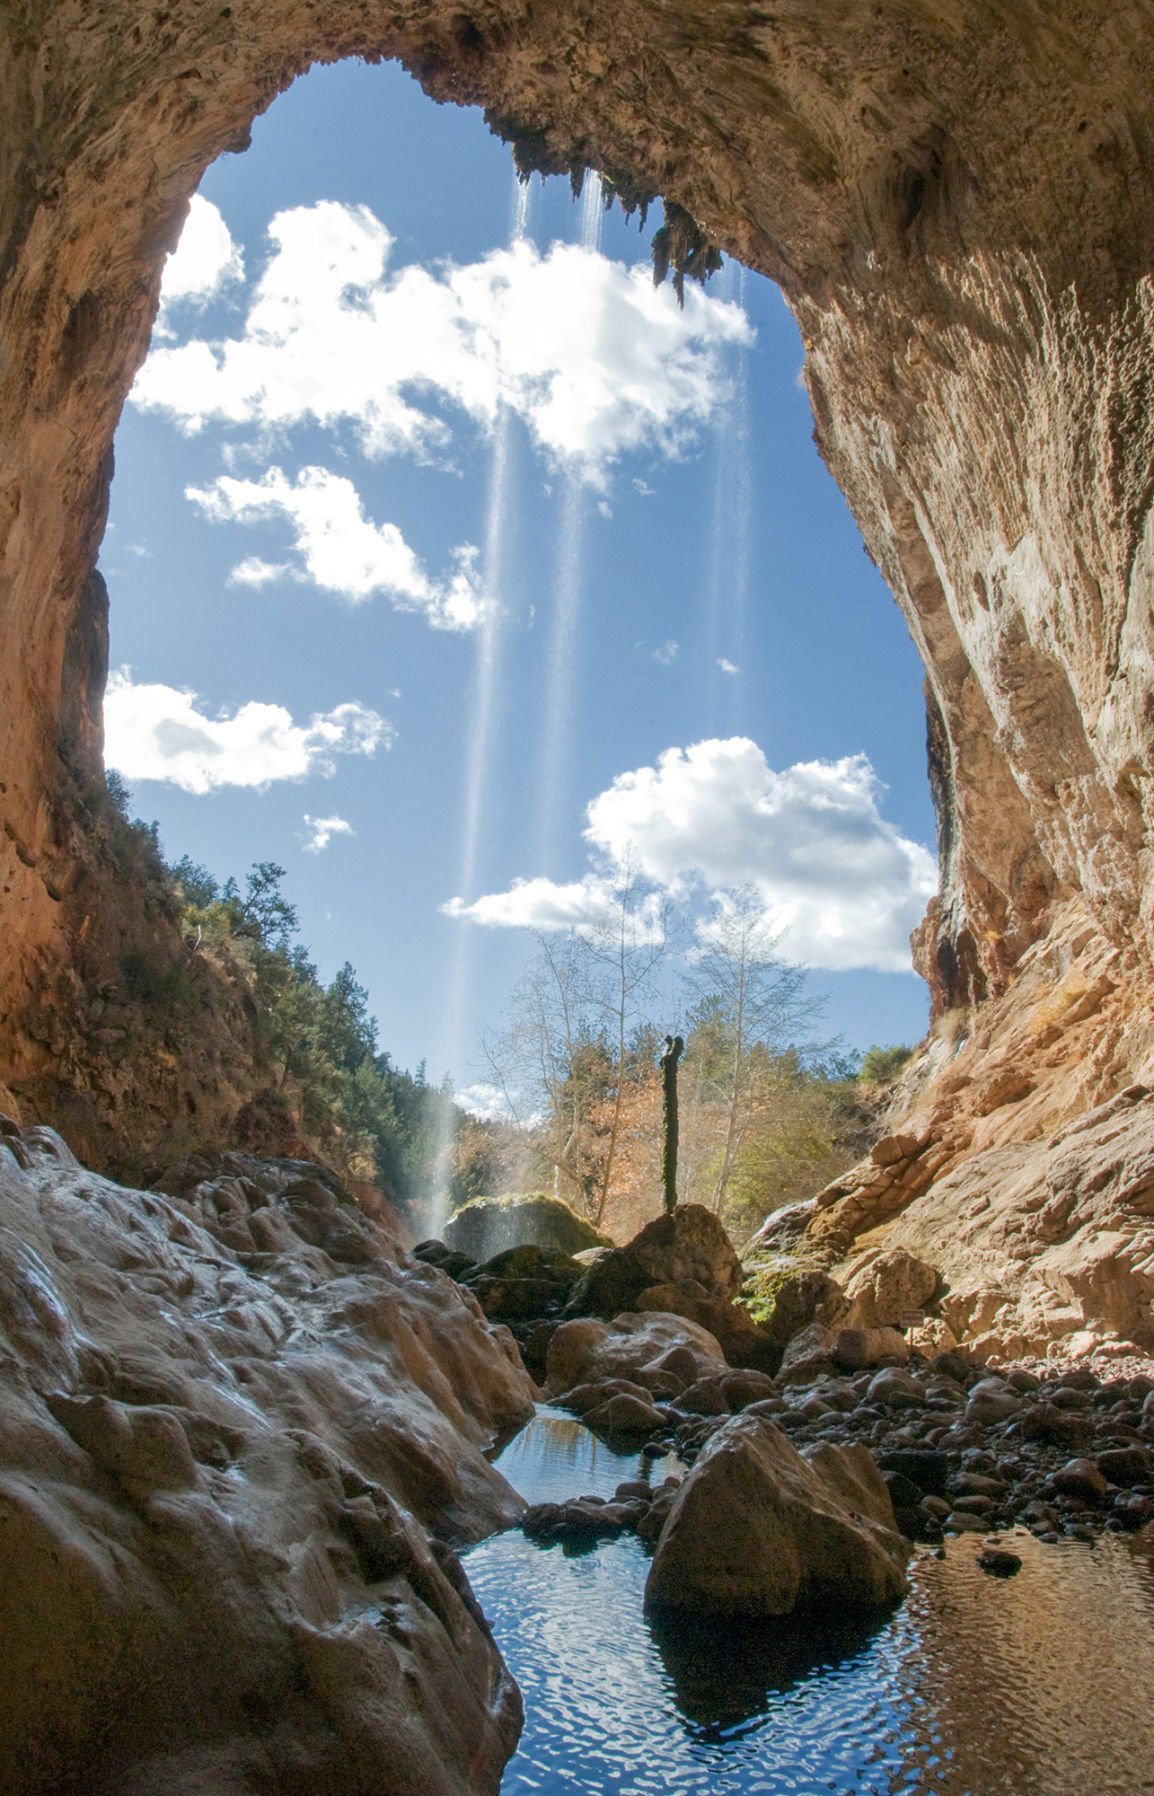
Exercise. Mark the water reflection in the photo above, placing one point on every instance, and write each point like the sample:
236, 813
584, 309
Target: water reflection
1033, 1686
723, 1676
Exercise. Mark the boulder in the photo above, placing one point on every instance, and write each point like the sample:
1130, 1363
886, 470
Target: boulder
803, 1298
857, 1349
523, 1282
488, 1225
757, 1530
884, 1287
625, 1414
809, 1355
743, 1341
688, 1247
634, 1346
721, 1395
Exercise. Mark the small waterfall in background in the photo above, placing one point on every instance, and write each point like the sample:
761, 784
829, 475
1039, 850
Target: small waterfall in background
559, 686
478, 738
730, 539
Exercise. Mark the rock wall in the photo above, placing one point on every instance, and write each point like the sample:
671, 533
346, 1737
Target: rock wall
238, 1439
955, 196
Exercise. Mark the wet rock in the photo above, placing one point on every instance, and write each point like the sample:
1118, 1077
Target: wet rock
580, 1521
625, 1414
960, 1521
488, 1226
437, 1253
999, 1562
927, 1469
758, 1530
235, 1456
523, 1282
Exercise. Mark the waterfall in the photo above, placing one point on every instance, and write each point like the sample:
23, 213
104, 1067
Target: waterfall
730, 540
560, 683
482, 714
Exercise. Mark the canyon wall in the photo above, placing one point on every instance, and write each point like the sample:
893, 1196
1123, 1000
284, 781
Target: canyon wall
955, 197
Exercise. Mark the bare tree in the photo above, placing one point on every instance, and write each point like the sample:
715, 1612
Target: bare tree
750, 998
627, 948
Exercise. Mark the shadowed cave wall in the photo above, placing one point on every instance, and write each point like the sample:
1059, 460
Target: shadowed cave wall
955, 196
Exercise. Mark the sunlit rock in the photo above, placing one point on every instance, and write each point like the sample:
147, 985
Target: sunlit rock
233, 1457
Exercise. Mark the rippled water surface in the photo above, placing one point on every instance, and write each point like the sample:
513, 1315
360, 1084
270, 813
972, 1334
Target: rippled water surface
1039, 1685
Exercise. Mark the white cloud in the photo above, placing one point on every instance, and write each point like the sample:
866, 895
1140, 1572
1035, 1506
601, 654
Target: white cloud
667, 653
340, 549
487, 1102
841, 885
252, 571
540, 904
596, 360
322, 830
205, 260
727, 667
155, 732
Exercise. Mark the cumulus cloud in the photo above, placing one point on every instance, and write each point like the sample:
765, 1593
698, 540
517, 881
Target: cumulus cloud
667, 654
596, 360
840, 884
321, 831
727, 667
204, 261
338, 548
486, 1102
156, 732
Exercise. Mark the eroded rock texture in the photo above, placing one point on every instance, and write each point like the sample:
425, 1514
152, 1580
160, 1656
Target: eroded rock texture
955, 196
237, 1440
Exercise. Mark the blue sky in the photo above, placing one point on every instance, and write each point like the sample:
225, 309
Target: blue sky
453, 567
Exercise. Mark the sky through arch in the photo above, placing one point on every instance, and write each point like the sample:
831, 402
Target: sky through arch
355, 346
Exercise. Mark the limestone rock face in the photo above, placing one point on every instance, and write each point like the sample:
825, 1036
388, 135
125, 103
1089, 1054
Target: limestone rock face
236, 1440
758, 1530
956, 201
1047, 1244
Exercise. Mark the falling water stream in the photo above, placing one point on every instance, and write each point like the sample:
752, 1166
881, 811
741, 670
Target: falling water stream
479, 732
1038, 1685
560, 684
730, 535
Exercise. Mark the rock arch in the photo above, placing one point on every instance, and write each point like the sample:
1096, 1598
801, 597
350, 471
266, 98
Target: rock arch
955, 196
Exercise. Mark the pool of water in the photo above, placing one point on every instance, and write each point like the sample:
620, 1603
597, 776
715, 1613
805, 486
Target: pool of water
1038, 1685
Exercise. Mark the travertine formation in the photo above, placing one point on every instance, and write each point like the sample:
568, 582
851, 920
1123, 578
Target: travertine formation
238, 1439
955, 196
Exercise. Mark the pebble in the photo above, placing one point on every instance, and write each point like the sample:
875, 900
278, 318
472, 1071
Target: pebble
999, 1562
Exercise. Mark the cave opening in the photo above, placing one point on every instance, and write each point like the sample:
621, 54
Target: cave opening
390, 388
